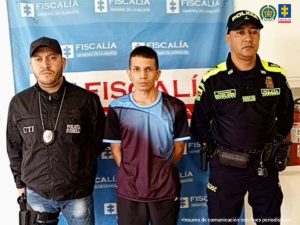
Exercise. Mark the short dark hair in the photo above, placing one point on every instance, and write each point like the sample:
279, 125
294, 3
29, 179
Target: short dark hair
145, 52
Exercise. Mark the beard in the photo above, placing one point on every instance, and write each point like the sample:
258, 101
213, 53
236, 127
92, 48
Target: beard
50, 79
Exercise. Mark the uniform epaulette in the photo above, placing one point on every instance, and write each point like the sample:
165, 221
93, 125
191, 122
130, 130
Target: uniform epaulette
272, 67
213, 71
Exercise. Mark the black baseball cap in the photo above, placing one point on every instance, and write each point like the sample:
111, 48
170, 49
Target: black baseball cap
45, 42
238, 18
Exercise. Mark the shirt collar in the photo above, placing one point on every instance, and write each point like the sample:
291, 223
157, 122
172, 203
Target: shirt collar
231, 69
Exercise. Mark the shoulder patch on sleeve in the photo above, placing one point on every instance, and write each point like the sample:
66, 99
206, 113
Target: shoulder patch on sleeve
213, 71
272, 67
200, 91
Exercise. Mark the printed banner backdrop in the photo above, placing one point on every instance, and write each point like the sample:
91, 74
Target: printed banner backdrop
97, 36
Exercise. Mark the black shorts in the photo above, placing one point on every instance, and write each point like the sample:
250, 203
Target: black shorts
141, 213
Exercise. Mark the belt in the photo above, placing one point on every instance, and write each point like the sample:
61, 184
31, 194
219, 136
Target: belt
250, 151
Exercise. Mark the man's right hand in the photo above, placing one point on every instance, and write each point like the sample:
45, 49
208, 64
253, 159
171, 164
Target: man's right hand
281, 158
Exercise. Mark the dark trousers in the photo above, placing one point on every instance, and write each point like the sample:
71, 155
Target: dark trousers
227, 187
141, 213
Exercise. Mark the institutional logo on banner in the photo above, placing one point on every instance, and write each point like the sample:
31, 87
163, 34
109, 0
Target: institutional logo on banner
268, 13
166, 48
49, 8
90, 49
137, 44
192, 6
110, 208
68, 51
184, 203
284, 13
122, 6
27, 10
197, 201
101, 6
106, 154
172, 6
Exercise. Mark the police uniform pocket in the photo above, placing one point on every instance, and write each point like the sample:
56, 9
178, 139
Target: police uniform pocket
71, 138
30, 129
71, 128
269, 97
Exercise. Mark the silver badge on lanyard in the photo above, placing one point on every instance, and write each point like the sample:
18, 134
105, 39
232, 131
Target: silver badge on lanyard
48, 136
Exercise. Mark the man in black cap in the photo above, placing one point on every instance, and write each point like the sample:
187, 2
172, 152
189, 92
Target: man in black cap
242, 113
54, 135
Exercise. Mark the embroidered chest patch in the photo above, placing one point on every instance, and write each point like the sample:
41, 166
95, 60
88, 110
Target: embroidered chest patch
265, 92
225, 94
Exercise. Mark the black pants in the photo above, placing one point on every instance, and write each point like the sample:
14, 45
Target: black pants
227, 187
141, 213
